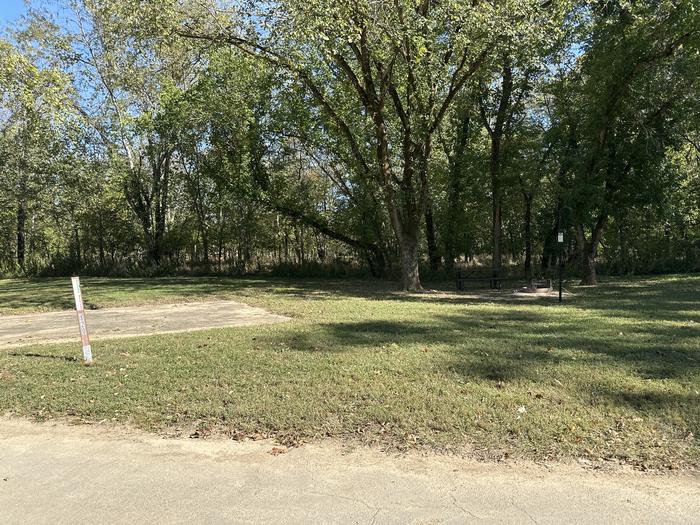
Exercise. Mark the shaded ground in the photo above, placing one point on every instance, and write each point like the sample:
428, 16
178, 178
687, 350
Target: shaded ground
19, 296
611, 375
57, 474
113, 323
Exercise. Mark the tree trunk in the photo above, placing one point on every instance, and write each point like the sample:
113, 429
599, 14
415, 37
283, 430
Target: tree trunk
377, 261
101, 244
203, 234
154, 251
302, 247
588, 250
455, 218
406, 197
21, 232
433, 254
405, 209
528, 239
496, 229
497, 133
410, 275
513, 244
77, 252
205, 249
161, 182
588, 272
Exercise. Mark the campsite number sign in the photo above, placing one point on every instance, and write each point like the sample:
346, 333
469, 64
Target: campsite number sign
87, 349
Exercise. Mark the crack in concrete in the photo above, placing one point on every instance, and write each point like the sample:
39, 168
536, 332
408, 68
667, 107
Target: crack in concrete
458, 506
512, 502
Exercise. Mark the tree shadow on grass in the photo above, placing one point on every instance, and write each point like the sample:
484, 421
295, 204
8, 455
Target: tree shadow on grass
501, 345
56, 293
43, 356
664, 299
655, 402
500, 351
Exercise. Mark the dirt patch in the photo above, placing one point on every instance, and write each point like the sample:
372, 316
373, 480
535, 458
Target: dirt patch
112, 323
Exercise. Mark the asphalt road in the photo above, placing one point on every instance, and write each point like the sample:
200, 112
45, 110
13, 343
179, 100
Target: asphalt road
53, 473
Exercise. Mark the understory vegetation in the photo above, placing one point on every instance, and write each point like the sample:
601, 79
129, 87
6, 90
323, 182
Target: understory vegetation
612, 374
319, 137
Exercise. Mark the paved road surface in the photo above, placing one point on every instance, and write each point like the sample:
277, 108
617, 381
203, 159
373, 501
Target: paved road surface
57, 474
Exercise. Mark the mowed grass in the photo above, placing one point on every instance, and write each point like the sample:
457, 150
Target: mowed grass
612, 374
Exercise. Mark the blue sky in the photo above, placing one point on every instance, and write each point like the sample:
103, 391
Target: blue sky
10, 10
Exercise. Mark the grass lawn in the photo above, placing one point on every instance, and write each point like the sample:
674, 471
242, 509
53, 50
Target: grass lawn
612, 374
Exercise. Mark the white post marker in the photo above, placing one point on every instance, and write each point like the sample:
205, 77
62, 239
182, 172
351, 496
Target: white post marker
87, 349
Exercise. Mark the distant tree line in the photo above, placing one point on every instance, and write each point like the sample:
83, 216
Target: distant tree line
351, 135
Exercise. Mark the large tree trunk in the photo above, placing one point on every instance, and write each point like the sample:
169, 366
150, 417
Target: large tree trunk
588, 250
407, 232
405, 222
588, 272
407, 205
410, 275
154, 254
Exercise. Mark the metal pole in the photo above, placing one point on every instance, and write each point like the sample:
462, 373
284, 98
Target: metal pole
561, 266
560, 242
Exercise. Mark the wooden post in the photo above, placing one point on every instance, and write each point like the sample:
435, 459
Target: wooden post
87, 349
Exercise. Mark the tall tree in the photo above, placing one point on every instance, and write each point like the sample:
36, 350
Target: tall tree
615, 108
123, 78
400, 65
34, 100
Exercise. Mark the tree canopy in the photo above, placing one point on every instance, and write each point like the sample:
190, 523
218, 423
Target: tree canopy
398, 136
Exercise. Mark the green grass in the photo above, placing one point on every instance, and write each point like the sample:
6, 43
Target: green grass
614, 373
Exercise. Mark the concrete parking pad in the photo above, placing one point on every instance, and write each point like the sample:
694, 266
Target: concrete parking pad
111, 323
